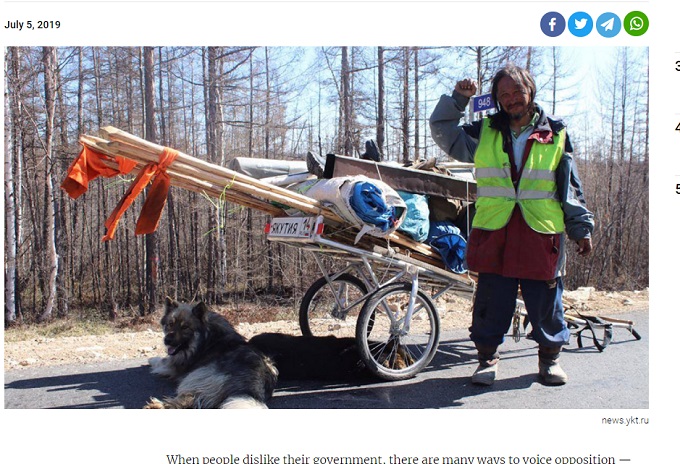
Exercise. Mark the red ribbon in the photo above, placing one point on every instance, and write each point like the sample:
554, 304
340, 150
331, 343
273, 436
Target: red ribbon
155, 200
88, 166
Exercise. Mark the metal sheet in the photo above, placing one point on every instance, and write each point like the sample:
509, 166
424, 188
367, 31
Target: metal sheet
401, 178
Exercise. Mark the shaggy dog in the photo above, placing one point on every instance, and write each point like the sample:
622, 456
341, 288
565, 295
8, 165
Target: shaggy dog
212, 363
321, 358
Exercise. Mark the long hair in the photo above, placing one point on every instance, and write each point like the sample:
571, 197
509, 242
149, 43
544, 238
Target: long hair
520, 76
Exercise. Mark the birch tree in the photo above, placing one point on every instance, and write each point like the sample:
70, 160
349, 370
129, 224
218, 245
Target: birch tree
11, 148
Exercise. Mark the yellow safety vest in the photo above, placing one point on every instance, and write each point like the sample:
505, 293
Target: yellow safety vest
536, 193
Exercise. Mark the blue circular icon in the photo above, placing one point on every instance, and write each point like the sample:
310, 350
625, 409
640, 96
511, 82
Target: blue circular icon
608, 25
580, 24
552, 24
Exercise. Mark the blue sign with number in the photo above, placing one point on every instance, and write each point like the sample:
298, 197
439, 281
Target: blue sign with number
482, 103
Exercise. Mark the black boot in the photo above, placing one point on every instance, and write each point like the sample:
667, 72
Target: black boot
372, 152
549, 369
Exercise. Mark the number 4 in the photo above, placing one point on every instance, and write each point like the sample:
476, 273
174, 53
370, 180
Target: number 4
677, 128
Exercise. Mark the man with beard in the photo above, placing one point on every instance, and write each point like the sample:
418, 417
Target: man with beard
529, 197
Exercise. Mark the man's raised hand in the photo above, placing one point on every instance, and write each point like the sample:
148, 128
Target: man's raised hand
466, 87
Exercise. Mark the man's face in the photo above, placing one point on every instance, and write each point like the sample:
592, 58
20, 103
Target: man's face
514, 98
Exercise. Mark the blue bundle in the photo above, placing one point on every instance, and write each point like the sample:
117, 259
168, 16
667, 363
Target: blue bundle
369, 205
447, 240
417, 220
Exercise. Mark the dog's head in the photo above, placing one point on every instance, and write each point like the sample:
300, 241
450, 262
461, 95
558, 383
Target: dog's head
183, 326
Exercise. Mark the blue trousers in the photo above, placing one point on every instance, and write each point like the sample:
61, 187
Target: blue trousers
494, 307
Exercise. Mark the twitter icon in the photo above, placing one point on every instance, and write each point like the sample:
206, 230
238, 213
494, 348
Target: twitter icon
580, 24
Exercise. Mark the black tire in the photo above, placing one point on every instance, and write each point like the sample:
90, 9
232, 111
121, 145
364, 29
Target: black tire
391, 352
319, 313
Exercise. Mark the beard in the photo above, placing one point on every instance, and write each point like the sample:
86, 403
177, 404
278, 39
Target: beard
518, 112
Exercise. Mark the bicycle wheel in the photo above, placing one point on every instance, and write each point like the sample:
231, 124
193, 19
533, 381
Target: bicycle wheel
326, 308
388, 348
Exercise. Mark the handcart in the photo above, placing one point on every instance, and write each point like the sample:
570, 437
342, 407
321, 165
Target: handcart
380, 297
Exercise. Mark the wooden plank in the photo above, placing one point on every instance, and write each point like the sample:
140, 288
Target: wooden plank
245, 183
199, 176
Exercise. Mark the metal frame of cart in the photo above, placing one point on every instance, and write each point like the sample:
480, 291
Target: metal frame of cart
378, 298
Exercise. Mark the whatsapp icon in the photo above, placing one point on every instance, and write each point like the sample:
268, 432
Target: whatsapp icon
636, 23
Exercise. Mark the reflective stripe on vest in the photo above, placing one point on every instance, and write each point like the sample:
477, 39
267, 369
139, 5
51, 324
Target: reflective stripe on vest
536, 193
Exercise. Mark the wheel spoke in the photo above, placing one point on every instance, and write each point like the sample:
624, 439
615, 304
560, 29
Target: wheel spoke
386, 347
332, 308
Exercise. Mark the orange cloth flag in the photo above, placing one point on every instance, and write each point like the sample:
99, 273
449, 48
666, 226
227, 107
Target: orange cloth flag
155, 200
88, 166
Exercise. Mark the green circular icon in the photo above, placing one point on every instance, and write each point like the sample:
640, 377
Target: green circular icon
636, 23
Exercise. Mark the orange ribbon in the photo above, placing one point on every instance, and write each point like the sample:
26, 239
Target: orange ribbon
155, 200
88, 166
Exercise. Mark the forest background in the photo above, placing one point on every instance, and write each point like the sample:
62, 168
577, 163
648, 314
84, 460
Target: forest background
217, 103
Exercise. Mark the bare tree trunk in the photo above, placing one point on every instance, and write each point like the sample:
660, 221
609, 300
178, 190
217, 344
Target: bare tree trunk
166, 129
61, 232
554, 76
150, 240
480, 77
267, 110
50, 69
529, 53
267, 105
380, 129
646, 156
221, 212
98, 272
405, 155
346, 104
77, 209
249, 216
10, 217
17, 176
161, 99
416, 104
210, 77
622, 194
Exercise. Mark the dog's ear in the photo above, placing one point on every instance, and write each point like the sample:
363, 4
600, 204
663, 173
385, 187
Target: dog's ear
170, 304
199, 310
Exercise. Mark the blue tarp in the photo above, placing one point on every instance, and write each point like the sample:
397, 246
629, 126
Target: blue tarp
417, 220
447, 240
369, 205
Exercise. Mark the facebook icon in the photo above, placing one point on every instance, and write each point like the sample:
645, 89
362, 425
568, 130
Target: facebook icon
552, 24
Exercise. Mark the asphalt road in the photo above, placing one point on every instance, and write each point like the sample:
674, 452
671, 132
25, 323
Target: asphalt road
617, 378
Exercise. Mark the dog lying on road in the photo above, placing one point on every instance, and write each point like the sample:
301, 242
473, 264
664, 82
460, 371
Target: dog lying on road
216, 368
213, 364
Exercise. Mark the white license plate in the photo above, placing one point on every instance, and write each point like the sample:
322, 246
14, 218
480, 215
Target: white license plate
294, 227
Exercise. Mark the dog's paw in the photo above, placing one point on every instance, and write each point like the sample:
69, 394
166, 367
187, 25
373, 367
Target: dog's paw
154, 403
160, 366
